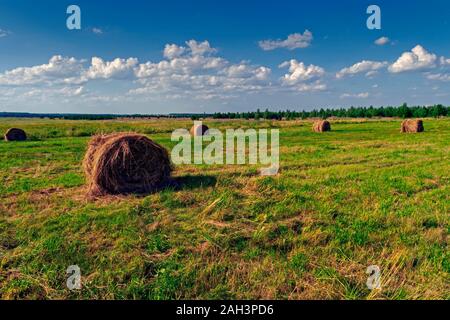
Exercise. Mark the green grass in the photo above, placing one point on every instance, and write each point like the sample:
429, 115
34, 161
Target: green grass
361, 195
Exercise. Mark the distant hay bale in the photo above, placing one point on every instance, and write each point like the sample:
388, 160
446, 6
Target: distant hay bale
412, 125
15, 134
321, 126
124, 163
199, 130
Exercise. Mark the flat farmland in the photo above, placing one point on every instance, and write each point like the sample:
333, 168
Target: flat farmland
363, 194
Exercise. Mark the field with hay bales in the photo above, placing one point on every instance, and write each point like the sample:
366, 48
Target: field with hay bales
362, 194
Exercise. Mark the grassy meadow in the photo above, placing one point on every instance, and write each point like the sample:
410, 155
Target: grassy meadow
361, 195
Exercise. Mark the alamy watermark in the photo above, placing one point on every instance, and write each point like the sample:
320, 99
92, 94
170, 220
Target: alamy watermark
74, 279
374, 280
235, 147
73, 22
374, 20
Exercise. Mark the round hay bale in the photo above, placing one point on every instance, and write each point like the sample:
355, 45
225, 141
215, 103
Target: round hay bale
321, 126
199, 130
15, 134
124, 163
412, 125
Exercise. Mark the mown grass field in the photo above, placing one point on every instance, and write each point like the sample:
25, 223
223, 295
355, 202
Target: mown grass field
361, 195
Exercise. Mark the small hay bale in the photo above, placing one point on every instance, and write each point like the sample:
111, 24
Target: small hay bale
321, 126
412, 125
15, 134
199, 130
124, 163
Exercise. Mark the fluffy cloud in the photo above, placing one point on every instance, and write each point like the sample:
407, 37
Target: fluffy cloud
200, 48
97, 30
116, 69
382, 41
172, 51
302, 78
199, 79
299, 72
183, 65
195, 71
58, 70
64, 70
293, 41
190, 70
418, 58
364, 66
194, 48
362, 95
244, 70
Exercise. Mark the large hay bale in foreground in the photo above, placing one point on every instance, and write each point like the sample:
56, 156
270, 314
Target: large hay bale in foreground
124, 163
15, 134
321, 126
199, 130
412, 125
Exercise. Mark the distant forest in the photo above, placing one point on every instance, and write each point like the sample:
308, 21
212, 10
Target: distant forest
403, 111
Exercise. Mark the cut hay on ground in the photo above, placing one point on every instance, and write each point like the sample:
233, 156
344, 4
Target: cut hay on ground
124, 163
412, 125
15, 134
321, 126
199, 130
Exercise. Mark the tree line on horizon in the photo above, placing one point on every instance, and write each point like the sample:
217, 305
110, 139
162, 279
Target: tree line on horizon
404, 111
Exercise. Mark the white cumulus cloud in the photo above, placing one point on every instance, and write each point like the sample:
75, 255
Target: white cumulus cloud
416, 59
200, 48
364, 66
243, 70
59, 69
196, 71
293, 41
299, 72
117, 69
173, 51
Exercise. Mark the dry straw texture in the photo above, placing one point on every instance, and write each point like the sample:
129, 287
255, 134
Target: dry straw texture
321, 126
124, 163
199, 130
412, 125
15, 134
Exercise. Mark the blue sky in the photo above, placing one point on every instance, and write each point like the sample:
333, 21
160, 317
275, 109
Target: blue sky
206, 56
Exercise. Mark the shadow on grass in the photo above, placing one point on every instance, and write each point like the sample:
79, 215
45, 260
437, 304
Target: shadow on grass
188, 182
192, 182
346, 130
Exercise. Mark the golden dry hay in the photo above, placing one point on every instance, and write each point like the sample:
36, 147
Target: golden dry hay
412, 125
321, 126
124, 163
15, 134
199, 130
